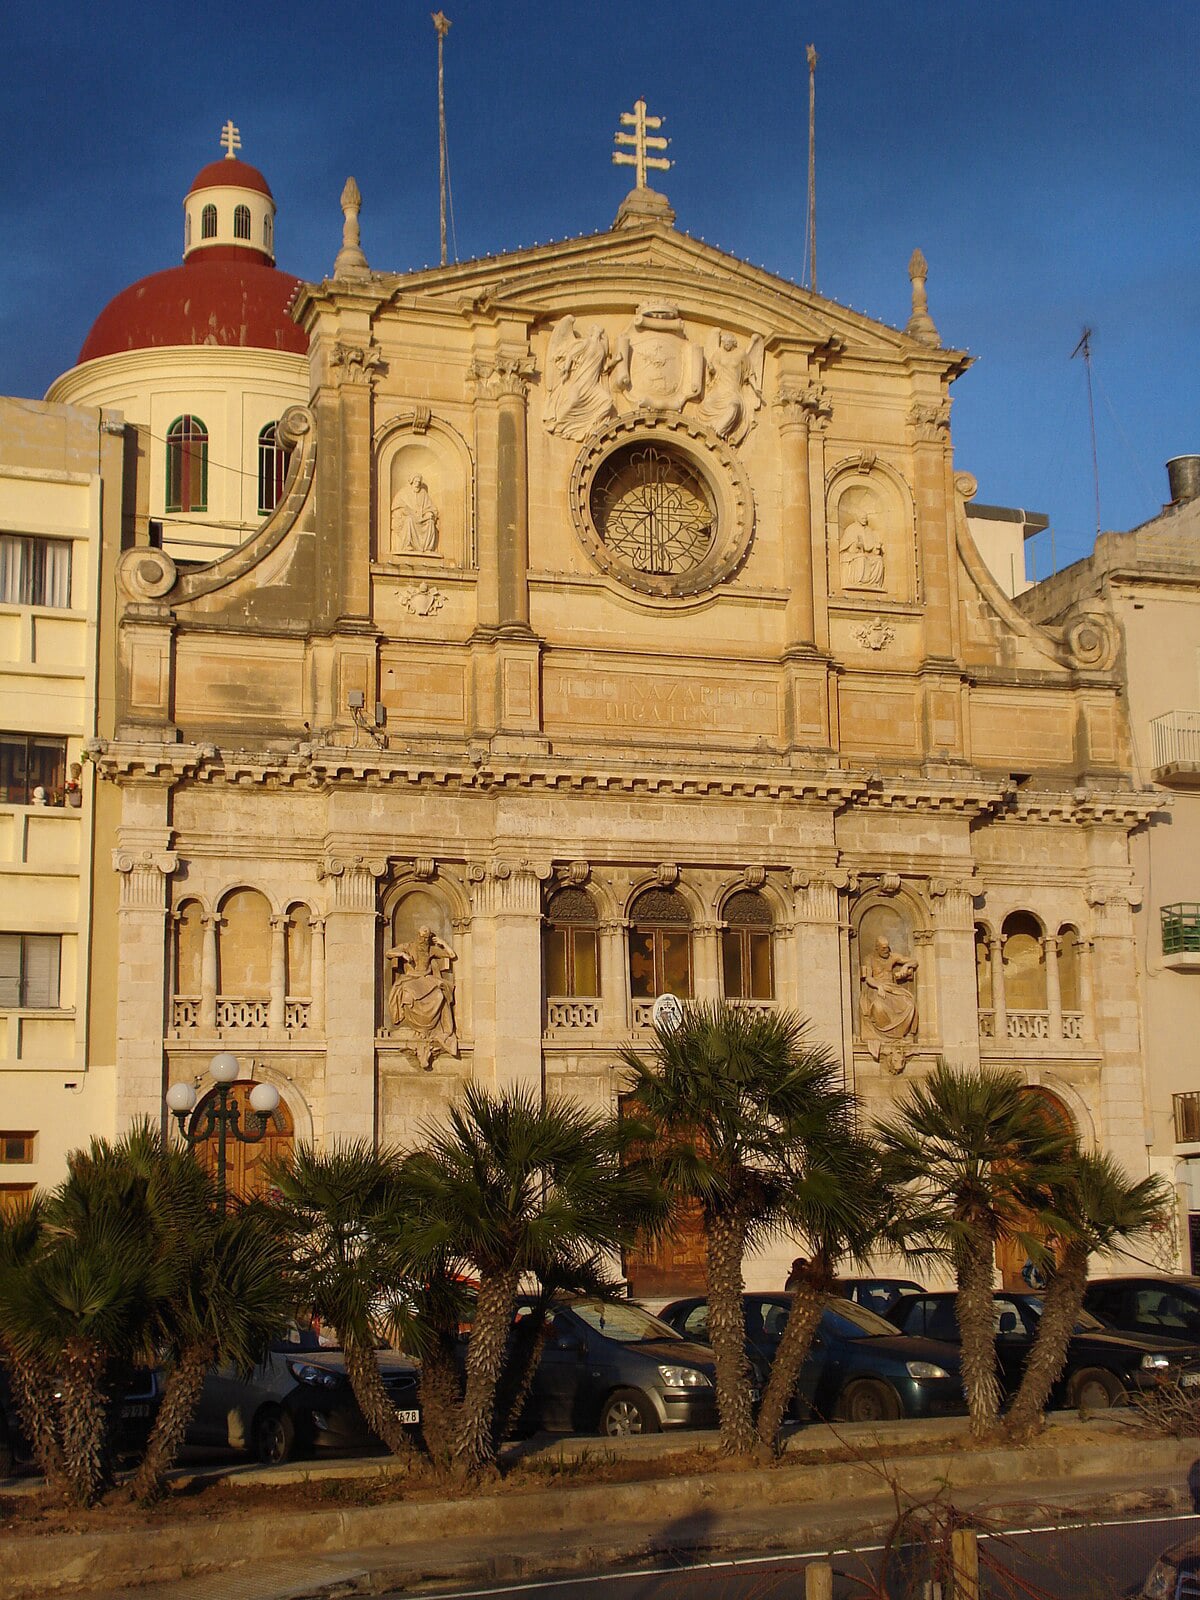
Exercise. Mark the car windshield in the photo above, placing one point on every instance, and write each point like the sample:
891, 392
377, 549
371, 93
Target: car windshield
626, 1323
1084, 1323
852, 1321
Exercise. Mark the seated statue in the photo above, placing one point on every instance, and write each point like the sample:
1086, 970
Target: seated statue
887, 1005
421, 996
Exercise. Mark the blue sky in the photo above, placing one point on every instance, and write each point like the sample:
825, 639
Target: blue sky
1043, 155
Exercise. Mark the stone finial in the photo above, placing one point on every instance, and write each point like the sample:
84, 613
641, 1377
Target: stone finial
350, 260
920, 324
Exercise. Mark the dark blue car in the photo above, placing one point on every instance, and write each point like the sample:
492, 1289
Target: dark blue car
859, 1368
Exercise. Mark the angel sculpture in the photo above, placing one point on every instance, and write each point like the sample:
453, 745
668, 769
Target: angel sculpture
733, 385
577, 393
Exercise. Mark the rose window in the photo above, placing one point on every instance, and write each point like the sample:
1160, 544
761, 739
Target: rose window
653, 509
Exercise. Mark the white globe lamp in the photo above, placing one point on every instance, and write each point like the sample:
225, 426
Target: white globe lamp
264, 1098
224, 1068
181, 1098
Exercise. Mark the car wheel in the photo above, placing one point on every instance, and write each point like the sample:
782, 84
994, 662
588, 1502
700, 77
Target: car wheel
1093, 1389
868, 1401
626, 1412
274, 1436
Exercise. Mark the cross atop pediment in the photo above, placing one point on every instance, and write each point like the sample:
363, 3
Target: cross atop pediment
642, 141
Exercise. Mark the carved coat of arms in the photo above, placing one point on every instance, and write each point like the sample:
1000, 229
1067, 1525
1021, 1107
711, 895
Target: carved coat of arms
657, 365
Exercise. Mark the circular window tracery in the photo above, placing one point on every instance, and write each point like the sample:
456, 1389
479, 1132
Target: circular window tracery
652, 507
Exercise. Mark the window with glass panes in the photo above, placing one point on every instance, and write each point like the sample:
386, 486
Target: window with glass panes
29, 970
746, 962
241, 222
272, 469
30, 761
16, 1147
660, 945
571, 945
34, 571
208, 222
187, 465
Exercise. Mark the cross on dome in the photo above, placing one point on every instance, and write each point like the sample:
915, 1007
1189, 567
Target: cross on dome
231, 139
642, 141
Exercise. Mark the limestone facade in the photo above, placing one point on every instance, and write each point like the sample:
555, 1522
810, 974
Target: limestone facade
620, 631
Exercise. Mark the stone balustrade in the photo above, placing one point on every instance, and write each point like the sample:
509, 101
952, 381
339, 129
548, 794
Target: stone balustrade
1027, 1027
572, 1014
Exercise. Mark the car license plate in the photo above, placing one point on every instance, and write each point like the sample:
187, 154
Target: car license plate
1190, 1380
411, 1418
141, 1409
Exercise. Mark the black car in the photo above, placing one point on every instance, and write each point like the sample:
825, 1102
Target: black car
858, 1370
140, 1400
1159, 1304
1176, 1573
877, 1294
610, 1367
1102, 1367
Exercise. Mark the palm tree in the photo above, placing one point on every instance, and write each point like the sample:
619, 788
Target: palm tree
979, 1161
21, 1239
733, 1109
510, 1185
1101, 1207
337, 1213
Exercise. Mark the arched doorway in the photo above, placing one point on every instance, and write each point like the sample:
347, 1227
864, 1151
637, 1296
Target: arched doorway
1017, 1272
245, 1164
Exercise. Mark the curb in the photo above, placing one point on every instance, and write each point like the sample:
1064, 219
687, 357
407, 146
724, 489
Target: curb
37, 1566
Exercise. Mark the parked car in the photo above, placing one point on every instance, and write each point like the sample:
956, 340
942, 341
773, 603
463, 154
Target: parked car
1102, 1367
610, 1367
1176, 1573
877, 1294
134, 1420
859, 1368
298, 1401
1160, 1304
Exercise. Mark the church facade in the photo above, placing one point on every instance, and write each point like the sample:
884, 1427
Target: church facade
618, 632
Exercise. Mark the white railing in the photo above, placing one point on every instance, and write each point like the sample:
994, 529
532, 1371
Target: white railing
242, 1013
1031, 1025
572, 1013
295, 1015
185, 1011
1176, 739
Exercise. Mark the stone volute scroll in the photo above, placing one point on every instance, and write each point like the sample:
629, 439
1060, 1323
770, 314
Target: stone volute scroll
578, 397
421, 994
733, 385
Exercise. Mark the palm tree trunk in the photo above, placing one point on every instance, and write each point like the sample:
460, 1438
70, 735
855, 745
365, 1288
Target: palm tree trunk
180, 1397
807, 1305
725, 1247
474, 1448
83, 1411
975, 1309
516, 1380
1060, 1310
33, 1391
441, 1397
362, 1368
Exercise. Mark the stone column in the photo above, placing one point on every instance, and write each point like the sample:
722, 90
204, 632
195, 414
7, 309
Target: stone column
208, 972
821, 959
614, 979
706, 955
142, 934
804, 411
999, 1001
351, 964
1050, 944
1118, 1027
316, 979
275, 1005
512, 494
1087, 993
929, 421
506, 940
796, 513
953, 950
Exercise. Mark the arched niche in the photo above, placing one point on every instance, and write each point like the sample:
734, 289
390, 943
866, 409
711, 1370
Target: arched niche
885, 928
423, 494
1024, 962
298, 951
1070, 963
419, 992
870, 533
244, 945
189, 947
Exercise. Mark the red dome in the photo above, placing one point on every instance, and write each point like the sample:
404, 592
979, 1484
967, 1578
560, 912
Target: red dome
233, 174
236, 303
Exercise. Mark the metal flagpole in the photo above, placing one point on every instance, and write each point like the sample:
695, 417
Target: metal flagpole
812, 168
442, 23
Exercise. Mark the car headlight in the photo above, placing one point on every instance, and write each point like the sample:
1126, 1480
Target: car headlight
925, 1369
684, 1378
1154, 1361
1160, 1584
318, 1377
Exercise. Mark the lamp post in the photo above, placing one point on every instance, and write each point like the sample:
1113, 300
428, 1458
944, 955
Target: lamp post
222, 1116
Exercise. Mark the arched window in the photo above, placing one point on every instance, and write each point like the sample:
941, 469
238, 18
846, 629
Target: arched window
241, 222
272, 469
1024, 963
660, 945
189, 945
571, 945
1068, 968
746, 964
298, 952
268, 241
187, 231
208, 223
244, 946
187, 465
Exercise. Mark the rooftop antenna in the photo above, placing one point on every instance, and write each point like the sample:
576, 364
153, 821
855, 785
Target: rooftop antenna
1084, 348
442, 23
810, 241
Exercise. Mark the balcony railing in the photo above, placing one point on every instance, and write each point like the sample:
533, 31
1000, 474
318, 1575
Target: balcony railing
1186, 1108
572, 1013
233, 1012
1175, 742
1180, 927
1027, 1027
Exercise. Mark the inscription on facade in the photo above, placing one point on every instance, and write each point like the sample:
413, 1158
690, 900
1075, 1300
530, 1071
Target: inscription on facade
608, 699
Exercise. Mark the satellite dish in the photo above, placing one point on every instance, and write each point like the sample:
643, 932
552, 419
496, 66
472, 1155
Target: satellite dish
667, 1012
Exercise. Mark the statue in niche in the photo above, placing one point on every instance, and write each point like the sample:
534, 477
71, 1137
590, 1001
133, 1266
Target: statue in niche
656, 364
577, 393
421, 996
861, 550
733, 386
887, 1004
414, 519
